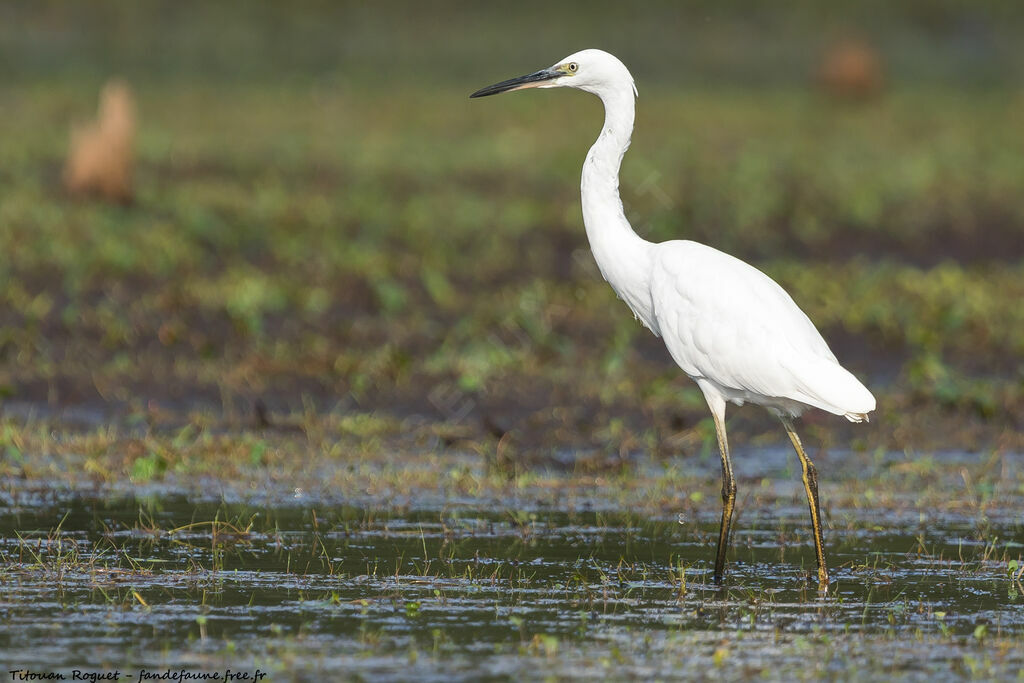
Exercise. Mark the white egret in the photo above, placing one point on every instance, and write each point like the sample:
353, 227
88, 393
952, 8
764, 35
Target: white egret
729, 326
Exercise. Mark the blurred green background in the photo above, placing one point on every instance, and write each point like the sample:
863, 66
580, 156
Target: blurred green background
324, 221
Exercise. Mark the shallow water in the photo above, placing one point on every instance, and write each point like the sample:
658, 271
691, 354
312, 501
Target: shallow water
296, 585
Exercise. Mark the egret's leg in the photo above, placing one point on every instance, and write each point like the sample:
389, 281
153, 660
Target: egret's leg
728, 494
810, 477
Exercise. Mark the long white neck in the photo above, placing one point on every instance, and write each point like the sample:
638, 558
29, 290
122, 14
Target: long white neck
625, 259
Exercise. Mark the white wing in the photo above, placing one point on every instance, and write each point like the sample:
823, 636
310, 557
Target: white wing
725, 321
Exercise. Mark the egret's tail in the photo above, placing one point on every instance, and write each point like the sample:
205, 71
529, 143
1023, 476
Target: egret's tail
829, 386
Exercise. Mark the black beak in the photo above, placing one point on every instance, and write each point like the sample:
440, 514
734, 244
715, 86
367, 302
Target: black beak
527, 81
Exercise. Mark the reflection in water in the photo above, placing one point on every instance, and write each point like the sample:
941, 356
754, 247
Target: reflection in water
167, 579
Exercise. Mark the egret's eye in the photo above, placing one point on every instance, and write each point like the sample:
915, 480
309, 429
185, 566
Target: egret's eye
573, 66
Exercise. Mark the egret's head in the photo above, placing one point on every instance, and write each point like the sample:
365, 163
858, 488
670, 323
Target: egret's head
595, 71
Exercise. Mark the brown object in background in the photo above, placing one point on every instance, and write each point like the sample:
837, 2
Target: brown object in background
851, 69
102, 152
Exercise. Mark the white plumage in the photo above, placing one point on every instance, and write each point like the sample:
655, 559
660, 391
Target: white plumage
729, 326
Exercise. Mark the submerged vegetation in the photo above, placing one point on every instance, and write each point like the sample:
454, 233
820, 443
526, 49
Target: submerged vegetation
464, 573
